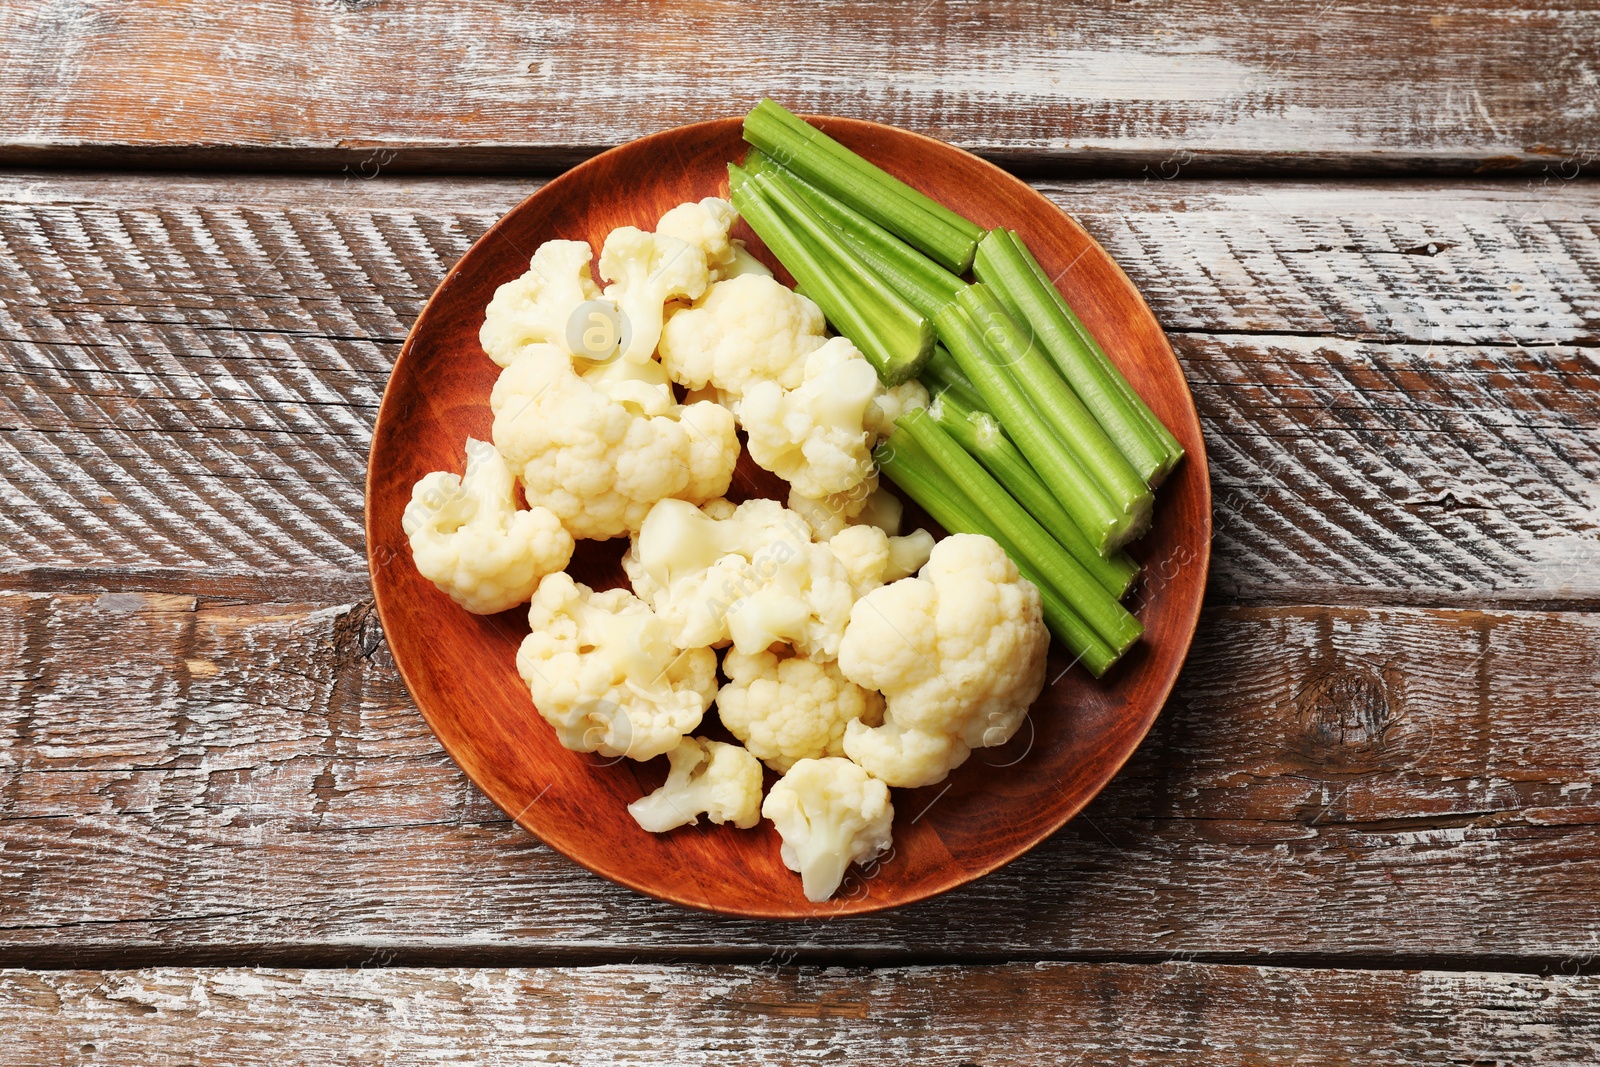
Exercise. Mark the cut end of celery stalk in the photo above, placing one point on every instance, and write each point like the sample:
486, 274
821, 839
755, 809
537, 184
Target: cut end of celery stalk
977, 431
924, 284
1055, 401
1005, 399
1113, 623
909, 467
1171, 451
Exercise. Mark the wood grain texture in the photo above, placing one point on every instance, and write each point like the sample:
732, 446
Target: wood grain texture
191, 781
193, 368
1026, 1015
467, 86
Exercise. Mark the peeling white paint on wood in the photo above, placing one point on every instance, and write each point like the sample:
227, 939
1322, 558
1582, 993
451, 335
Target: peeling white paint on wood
995, 1015
198, 364
1317, 83
1319, 778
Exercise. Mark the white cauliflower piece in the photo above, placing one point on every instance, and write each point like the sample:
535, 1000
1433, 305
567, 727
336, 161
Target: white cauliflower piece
710, 778
646, 272
881, 509
537, 307
604, 672
469, 539
888, 404
705, 225
742, 263
873, 558
828, 515
643, 388
788, 708
813, 437
830, 814
598, 463
959, 654
753, 578
744, 330
819, 437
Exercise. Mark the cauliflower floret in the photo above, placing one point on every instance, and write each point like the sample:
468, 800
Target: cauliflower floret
720, 781
744, 330
604, 672
646, 272
813, 437
829, 514
820, 438
742, 263
881, 509
958, 652
643, 388
873, 558
888, 404
789, 708
597, 462
753, 577
830, 814
705, 225
468, 538
537, 307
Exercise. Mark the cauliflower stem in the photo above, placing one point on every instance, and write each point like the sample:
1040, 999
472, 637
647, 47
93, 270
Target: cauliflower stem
830, 813
710, 778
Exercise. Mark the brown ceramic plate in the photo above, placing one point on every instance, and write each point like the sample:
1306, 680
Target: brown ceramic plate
460, 668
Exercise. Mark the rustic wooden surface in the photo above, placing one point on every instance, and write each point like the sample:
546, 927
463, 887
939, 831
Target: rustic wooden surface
1381, 755
1365, 829
471, 84
1059, 1013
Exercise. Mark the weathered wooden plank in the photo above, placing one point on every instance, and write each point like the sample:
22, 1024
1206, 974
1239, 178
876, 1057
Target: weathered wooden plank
1062, 1013
1512, 262
469, 86
193, 368
1386, 474
190, 781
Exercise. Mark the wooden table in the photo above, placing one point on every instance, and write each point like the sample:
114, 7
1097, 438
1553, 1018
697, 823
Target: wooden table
1364, 829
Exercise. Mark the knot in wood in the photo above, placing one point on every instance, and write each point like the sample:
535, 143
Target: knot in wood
1344, 713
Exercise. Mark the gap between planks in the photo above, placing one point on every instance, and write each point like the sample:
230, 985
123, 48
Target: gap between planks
405, 955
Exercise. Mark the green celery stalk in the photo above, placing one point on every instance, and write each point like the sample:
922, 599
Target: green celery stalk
909, 467
916, 218
1002, 264
1115, 625
925, 284
1061, 409
1095, 363
978, 433
909, 334
1003, 398
893, 336
942, 374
